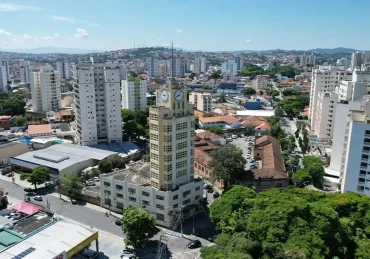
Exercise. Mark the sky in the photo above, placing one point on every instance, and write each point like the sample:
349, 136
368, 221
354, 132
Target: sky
217, 25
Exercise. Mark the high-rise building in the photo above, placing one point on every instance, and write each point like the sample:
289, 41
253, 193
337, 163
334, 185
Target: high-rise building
178, 70
359, 59
240, 63
197, 65
172, 136
203, 65
97, 99
152, 65
324, 79
201, 101
162, 69
45, 89
261, 82
64, 69
6, 65
345, 62
325, 111
134, 93
229, 67
3, 79
307, 60
24, 74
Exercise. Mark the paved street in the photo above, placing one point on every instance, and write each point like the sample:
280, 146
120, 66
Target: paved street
241, 143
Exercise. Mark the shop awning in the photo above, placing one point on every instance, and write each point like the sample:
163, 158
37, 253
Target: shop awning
26, 207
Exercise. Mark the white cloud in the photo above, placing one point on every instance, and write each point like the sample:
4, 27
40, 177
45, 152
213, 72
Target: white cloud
178, 31
9, 7
6, 36
26, 36
81, 33
50, 38
248, 40
62, 18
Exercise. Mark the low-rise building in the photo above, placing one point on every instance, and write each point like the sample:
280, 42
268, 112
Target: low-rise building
5, 122
39, 130
209, 136
131, 187
225, 121
261, 82
201, 101
252, 104
12, 148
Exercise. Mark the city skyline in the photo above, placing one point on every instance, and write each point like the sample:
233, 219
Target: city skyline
207, 26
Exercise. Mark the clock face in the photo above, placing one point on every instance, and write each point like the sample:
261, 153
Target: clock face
179, 95
164, 95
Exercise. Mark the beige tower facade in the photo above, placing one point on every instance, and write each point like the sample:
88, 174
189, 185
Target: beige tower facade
172, 136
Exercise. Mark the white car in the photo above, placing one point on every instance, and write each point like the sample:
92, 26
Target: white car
229, 139
96, 179
234, 136
248, 156
127, 253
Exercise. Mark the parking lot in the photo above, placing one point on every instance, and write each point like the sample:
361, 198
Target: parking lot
242, 145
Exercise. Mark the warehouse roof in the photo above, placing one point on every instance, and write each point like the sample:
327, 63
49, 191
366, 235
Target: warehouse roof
261, 113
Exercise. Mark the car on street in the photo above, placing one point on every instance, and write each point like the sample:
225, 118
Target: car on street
194, 244
37, 198
96, 179
234, 136
247, 156
31, 194
229, 139
127, 253
118, 222
90, 183
28, 189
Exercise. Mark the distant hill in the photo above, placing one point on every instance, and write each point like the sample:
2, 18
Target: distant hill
46, 50
332, 51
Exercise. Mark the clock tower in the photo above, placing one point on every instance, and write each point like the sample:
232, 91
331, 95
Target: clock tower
172, 136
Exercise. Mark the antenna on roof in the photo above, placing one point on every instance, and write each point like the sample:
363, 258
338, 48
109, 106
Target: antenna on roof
172, 63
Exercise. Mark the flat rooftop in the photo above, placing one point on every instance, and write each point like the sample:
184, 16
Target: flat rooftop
261, 113
29, 224
136, 173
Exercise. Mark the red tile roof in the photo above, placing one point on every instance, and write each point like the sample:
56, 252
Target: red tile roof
225, 118
207, 135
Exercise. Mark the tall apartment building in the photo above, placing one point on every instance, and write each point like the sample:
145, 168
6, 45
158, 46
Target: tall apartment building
24, 74
198, 65
359, 59
152, 66
5, 63
179, 68
239, 63
307, 60
162, 69
355, 166
261, 82
64, 69
45, 90
97, 100
3, 79
345, 62
325, 114
229, 67
324, 79
201, 101
134, 93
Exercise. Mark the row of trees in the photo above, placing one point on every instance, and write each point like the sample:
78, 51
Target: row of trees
289, 223
312, 172
108, 164
254, 70
302, 142
12, 104
293, 107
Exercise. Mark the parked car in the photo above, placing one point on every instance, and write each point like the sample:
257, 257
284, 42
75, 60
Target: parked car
28, 189
96, 179
90, 183
31, 194
247, 156
49, 183
194, 244
127, 253
15, 215
37, 198
118, 222
234, 136
229, 139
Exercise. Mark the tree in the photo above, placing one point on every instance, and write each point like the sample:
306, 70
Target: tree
252, 70
273, 119
215, 75
279, 112
39, 175
117, 161
249, 91
147, 158
273, 92
302, 178
19, 121
261, 92
135, 219
250, 130
276, 131
28, 118
215, 129
228, 164
105, 166
4, 202
72, 184
315, 168
290, 92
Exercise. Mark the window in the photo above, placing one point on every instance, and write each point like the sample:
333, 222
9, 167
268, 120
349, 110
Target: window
131, 190
154, 137
153, 127
197, 197
181, 164
181, 154
145, 194
168, 168
197, 188
181, 145
168, 158
133, 199
159, 197
119, 187
106, 184
186, 202
158, 206
159, 216
154, 175
186, 193
367, 132
167, 138
180, 126
168, 177
367, 140
154, 156
119, 195
107, 201
181, 173
181, 135
145, 202
154, 166
365, 157
167, 148
154, 146
361, 180
167, 128
175, 197
120, 205
364, 164
153, 116
106, 192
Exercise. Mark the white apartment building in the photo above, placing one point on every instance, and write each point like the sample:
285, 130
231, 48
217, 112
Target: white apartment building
229, 67
24, 74
203, 65
45, 90
307, 60
134, 93
152, 65
201, 101
169, 184
344, 62
97, 102
324, 79
261, 82
240, 63
5, 63
359, 59
355, 171
64, 69
197, 66
325, 111
3, 79
179, 68
162, 69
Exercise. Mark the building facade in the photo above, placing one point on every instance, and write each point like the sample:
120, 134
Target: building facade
24, 74
97, 103
45, 90
134, 94
201, 101
152, 66
261, 82
3, 79
178, 69
307, 60
64, 69
5, 64
325, 114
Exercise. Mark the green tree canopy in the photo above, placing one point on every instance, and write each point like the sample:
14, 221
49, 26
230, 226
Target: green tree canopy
105, 166
4, 202
273, 92
302, 178
39, 175
228, 164
138, 225
134, 123
19, 121
72, 184
215, 129
251, 70
12, 104
290, 92
250, 130
215, 75
249, 91
279, 112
